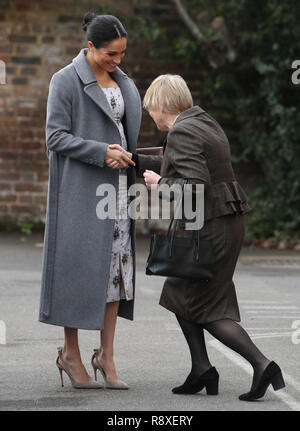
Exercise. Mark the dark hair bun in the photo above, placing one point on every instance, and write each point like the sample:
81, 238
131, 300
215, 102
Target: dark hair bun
87, 19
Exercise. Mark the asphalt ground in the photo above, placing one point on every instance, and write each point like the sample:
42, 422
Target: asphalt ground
151, 354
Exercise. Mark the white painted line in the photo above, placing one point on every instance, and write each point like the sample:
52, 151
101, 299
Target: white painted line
2, 332
271, 307
271, 336
248, 328
267, 334
267, 316
291, 402
292, 313
174, 327
254, 301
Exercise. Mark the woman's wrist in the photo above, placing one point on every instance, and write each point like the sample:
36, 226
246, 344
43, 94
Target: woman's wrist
135, 158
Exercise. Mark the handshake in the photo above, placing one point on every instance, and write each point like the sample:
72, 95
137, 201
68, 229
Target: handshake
117, 158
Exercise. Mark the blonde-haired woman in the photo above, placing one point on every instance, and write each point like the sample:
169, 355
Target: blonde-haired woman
196, 148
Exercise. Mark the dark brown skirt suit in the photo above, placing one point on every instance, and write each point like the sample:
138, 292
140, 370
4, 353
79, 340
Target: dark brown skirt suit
197, 148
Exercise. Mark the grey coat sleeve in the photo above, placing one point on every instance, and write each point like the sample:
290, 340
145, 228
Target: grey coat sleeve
58, 127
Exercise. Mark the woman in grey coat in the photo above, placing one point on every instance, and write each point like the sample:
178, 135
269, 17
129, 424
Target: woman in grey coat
88, 273
196, 148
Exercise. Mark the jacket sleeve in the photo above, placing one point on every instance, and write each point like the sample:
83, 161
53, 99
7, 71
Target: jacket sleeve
58, 127
150, 162
187, 157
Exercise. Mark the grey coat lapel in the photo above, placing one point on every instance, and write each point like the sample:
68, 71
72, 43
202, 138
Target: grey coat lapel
91, 86
94, 91
131, 120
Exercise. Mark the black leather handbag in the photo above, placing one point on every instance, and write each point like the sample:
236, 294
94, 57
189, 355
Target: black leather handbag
188, 258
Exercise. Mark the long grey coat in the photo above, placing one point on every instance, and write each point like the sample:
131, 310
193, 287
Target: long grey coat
197, 148
77, 244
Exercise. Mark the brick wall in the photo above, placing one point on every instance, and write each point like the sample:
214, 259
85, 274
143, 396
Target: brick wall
37, 38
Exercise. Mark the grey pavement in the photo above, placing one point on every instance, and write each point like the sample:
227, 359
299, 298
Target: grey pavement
150, 353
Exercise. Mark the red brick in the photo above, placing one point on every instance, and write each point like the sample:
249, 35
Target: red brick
43, 178
22, 49
26, 60
23, 112
9, 176
28, 71
4, 144
4, 208
28, 187
22, 208
26, 134
28, 124
5, 186
48, 39
7, 165
39, 200
22, 6
25, 145
24, 198
8, 198
72, 51
7, 154
22, 38
69, 18
19, 81
5, 48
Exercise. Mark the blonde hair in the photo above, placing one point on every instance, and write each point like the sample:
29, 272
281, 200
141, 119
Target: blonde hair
170, 92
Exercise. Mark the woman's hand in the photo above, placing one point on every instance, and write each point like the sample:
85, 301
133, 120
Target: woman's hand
150, 177
117, 157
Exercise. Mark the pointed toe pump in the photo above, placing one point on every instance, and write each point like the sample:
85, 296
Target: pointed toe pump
62, 366
114, 384
192, 385
271, 376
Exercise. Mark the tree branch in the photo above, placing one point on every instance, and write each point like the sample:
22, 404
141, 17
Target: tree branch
215, 59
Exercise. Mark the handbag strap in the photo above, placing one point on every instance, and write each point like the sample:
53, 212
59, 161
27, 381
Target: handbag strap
173, 229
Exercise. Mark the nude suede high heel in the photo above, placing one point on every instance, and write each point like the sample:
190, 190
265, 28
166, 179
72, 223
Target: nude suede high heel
62, 366
117, 384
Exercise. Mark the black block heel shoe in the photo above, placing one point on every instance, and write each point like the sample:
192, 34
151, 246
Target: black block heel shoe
271, 376
192, 385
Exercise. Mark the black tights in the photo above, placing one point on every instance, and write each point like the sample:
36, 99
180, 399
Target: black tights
229, 333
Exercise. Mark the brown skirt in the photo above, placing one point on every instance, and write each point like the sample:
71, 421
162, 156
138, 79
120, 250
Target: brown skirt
203, 302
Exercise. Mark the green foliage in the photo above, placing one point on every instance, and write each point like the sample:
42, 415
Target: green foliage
147, 32
254, 100
25, 227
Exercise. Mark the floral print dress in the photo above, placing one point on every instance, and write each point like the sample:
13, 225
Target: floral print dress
120, 285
